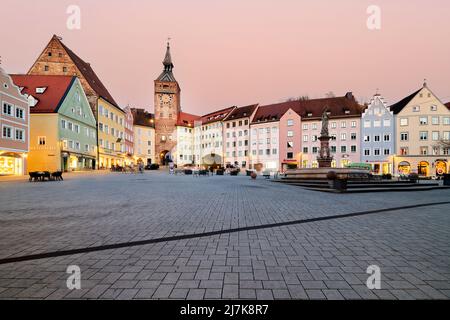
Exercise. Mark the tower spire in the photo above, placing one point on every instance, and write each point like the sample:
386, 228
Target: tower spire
168, 65
167, 74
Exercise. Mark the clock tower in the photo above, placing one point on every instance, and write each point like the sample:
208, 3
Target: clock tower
167, 109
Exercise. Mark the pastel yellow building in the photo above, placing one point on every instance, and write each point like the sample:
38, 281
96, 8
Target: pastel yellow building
111, 139
422, 122
144, 137
62, 125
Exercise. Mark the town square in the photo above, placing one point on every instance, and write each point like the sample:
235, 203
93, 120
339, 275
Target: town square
224, 151
315, 260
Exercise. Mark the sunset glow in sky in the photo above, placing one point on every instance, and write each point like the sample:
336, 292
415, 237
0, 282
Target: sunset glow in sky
238, 52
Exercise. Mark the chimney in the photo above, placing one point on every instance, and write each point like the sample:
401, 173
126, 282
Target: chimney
349, 95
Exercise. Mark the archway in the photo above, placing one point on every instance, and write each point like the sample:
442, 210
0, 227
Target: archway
165, 157
404, 167
423, 168
441, 167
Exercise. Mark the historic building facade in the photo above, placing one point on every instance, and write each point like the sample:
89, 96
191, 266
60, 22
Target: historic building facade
58, 59
184, 151
344, 126
236, 136
62, 127
14, 126
111, 135
378, 136
422, 122
144, 137
208, 138
129, 136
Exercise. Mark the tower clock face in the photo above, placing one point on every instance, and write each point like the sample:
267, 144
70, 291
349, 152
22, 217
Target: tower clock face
165, 98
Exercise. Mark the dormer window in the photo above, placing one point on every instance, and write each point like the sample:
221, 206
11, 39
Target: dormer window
309, 114
40, 90
347, 111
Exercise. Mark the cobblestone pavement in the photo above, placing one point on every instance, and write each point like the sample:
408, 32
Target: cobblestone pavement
316, 260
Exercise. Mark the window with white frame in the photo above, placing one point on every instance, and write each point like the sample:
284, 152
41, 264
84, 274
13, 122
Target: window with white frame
423, 135
423, 121
367, 123
435, 120
403, 122
20, 113
7, 132
435, 135
20, 134
353, 124
8, 108
404, 136
387, 122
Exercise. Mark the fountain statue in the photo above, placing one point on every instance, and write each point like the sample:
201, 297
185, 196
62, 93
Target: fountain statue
324, 159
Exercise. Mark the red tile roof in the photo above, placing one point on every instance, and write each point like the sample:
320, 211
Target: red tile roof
215, 116
274, 112
56, 90
241, 112
338, 107
186, 119
345, 106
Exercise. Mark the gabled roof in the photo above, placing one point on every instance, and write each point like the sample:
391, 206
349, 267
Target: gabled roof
56, 89
397, 107
186, 119
90, 76
143, 118
274, 112
215, 116
88, 73
241, 112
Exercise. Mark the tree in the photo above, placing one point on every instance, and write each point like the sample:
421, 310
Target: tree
299, 98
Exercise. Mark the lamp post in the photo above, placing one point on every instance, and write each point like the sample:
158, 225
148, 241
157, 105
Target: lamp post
393, 164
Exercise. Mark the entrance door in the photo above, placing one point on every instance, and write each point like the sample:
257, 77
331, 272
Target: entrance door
423, 168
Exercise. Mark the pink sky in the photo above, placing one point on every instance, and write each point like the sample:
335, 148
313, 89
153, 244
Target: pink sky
237, 52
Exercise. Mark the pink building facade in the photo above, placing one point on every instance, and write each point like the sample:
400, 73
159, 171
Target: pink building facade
344, 128
290, 140
14, 124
